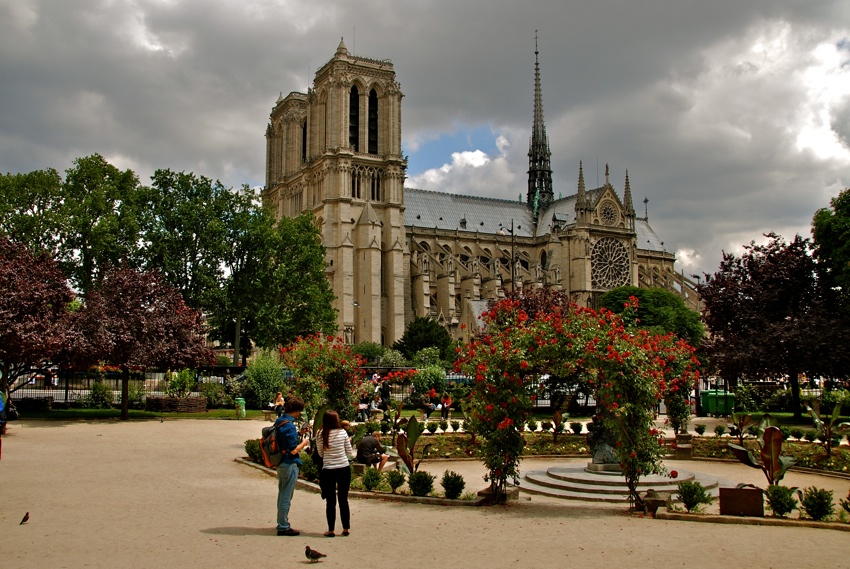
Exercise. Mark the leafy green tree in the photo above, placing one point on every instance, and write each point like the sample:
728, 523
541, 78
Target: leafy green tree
249, 233
831, 232
185, 233
659, 310
424, 332
30, 209
297, 298
369, 351
100, 208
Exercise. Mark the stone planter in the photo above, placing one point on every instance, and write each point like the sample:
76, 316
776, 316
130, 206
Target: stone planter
176, 404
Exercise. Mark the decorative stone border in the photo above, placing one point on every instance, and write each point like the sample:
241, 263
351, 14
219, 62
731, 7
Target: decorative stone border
314, 488
740, 520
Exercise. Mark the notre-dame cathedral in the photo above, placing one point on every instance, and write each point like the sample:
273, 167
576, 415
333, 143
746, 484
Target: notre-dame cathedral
395, 252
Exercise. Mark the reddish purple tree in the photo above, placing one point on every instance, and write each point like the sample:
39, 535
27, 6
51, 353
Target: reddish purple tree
134, 319
35, 323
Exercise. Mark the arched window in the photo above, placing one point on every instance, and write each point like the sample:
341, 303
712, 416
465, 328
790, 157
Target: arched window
373, 122
354, 119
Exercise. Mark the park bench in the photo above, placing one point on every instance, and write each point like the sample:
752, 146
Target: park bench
269, 414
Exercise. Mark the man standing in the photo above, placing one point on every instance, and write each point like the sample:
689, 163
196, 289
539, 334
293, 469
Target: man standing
290, 464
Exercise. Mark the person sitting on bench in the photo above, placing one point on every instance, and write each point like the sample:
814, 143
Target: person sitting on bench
370, 452
427, 403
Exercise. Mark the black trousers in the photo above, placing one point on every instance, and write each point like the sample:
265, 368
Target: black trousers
335, 482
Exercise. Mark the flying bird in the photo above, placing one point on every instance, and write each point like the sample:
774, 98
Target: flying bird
313, 555
26, 519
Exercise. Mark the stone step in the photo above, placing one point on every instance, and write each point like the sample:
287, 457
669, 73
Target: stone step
577, 483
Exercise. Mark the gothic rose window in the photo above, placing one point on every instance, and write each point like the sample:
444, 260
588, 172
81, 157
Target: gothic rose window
609, 214
609, 264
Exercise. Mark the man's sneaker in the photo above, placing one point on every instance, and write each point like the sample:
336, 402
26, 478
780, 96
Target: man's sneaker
289, 531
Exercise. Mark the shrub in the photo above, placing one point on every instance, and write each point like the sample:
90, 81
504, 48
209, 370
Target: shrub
444, 425
372, 426
453, 484
100, 397
181, 383
780, 499
395, 478
432, 427
252, 449
780, 401
455, 426
532, 426
810, 436
263, 379
136, 395
747, 399
719, 430
785, 431
393, 358
700, 429
846, 503
693, 495
429, 377
576, 428
420, 483
797, 432
215, 394
309, 470
369, 351
816, 502
427, 356
371, 479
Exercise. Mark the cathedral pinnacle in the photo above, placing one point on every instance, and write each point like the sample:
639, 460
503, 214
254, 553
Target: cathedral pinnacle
627, 197
341, 49
539, 155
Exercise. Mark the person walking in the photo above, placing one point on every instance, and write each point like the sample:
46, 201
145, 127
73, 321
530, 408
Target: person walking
334, 447
290, 464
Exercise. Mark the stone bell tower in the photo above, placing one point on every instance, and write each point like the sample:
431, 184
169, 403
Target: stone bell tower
336, 152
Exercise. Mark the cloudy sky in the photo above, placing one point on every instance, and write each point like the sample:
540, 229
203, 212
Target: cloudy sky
732, 117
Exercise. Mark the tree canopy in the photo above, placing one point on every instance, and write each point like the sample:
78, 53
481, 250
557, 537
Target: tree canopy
831, 232
658, 309
770, 317
424, 332
35, 321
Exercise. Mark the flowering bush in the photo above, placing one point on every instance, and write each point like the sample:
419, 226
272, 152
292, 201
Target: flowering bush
326, 372
629, 371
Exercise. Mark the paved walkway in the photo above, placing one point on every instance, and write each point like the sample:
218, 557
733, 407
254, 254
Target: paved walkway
151, 494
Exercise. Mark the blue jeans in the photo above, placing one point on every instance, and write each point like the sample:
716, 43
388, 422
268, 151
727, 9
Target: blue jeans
287, 474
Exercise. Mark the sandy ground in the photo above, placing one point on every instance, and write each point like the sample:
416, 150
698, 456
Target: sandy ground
151, 494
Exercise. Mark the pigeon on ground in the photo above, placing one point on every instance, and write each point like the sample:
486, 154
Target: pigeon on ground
26, 519
313, 555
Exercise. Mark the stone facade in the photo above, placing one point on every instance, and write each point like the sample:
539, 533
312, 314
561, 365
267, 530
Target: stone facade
394, 252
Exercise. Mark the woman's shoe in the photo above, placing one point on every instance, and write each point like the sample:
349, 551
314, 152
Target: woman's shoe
329, 534
345, 533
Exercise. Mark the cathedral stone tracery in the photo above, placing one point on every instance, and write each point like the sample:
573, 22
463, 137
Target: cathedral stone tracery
394, 253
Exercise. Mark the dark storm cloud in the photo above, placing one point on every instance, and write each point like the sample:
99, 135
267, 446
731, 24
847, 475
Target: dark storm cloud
675, 91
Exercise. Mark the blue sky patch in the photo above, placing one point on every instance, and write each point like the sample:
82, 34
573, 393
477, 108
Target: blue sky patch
435, 153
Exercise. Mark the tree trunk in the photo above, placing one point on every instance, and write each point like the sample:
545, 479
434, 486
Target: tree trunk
125, 393
237, 339
793, 377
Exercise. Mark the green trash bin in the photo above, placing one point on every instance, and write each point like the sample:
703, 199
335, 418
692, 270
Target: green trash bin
716, 402
240, 408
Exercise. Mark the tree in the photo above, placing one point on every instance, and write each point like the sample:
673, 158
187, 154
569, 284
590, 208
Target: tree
297, 298
831, 232
769, 317
185, 233
100, 209
134, 319
249, 234
424, 332
35, 322
30, 209
659, 310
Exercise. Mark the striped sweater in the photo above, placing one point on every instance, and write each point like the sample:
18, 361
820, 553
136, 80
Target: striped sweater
339, 446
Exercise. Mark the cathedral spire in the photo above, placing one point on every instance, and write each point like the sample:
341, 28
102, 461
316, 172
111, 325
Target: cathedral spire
627, 198
539, 168
581, 198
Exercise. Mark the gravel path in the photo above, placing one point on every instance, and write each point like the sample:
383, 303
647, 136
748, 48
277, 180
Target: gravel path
151, 494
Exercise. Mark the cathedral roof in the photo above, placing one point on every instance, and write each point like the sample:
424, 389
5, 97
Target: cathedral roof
449, 212
428, 209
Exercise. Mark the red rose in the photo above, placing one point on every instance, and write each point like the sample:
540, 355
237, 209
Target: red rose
674, 474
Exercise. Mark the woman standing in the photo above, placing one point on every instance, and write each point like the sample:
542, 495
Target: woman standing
334, 447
